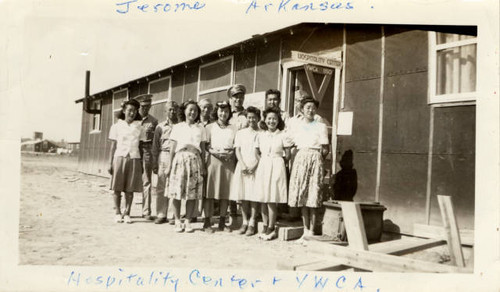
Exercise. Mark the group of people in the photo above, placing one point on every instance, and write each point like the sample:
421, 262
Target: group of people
217, 155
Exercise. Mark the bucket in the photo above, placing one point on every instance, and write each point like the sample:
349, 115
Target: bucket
373, 217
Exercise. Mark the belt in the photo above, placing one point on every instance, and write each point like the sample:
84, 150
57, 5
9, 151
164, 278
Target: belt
310, 149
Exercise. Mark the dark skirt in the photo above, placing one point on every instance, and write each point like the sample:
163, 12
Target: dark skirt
127, 175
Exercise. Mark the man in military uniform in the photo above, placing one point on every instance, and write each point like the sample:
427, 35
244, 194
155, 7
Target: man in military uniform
236, 95
149, 124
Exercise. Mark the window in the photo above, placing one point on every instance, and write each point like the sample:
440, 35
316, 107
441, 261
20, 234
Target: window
160, 89
215, 77
96, 117
452, 67
119, 97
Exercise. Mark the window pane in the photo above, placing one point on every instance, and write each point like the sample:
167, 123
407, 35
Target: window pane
118, 98
456, 70
443, 38
215, 75
159, 89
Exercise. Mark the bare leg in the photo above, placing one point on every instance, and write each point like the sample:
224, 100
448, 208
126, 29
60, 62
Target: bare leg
190, 205
245, 211
223, 207
314, 217
177, 209
273, 214
117, 199
128, 202
253, 215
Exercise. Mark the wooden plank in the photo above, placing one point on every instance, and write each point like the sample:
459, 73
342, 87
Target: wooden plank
432, 231
393, 247
355, 228
377, 262
405, 246
451, 229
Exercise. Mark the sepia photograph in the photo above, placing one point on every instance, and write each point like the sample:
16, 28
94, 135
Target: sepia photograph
180, 146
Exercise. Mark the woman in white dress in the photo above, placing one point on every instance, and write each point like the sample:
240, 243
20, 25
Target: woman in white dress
270, 177
243, 183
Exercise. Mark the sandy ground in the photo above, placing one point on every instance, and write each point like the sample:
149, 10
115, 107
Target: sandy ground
66, 218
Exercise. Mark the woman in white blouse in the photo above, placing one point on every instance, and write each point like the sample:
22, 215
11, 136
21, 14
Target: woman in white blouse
187, 168
311, 139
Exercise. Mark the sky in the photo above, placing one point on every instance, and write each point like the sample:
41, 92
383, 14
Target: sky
56, 41
63, 39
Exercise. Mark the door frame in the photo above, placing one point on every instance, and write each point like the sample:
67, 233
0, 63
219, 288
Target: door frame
286, 90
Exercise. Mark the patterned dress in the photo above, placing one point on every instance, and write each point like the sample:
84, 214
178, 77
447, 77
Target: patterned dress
307, 171
186, 181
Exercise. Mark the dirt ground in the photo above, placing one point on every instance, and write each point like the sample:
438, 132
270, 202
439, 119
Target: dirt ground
66, 218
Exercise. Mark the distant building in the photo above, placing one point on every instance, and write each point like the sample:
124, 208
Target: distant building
401, 99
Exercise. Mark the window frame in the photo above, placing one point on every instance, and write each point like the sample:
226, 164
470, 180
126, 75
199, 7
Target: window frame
97, 129
450, 97
113, 99
169, 96
220, 88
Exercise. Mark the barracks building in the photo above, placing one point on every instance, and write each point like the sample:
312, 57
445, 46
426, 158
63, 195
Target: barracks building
400, 100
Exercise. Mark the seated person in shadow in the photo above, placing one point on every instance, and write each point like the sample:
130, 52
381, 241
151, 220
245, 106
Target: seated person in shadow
346, 180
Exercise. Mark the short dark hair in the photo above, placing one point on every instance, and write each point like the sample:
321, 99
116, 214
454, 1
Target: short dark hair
218, 105
281, 123
182, 109
252, 109
275, 92
308, 99
121, 115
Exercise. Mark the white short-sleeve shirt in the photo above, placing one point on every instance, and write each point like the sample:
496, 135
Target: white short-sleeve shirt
221, 139
127, 137
310, 134
246, 140
185, 134
272, 144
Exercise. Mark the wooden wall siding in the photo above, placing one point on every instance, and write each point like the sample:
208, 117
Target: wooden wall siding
137, 89
158, 111
406, 115
325, 38
453, 162
95, 147
362, 84
245, 69
177, 84
267, 66
405, 136
362, 98
363, 52
191, 84
403, 188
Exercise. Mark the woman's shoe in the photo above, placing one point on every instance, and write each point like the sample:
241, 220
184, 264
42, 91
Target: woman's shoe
189, 229
118, 218
178, 227
243, 229
250, 230
127, 219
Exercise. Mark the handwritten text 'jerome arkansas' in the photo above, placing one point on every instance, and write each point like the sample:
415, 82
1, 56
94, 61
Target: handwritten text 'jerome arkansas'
278, 6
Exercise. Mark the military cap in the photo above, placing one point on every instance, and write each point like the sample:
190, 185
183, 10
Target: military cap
144, 99
235, 89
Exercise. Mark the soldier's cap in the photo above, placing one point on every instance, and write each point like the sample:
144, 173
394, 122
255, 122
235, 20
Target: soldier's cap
235, 89
144, 99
